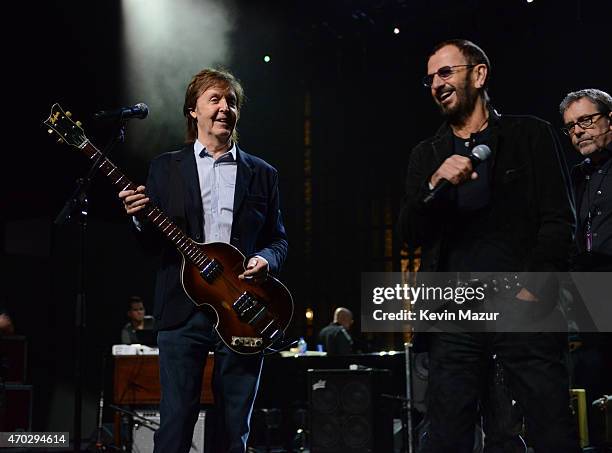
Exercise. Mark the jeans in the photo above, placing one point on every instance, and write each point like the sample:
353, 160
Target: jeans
182, 355
536, 374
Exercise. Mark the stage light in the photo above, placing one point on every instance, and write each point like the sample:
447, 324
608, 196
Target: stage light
529, 1
309, 314
158, 58
396, 31
267, 58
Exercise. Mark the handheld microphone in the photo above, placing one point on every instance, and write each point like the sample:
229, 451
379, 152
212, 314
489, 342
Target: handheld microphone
140, 111
479, 154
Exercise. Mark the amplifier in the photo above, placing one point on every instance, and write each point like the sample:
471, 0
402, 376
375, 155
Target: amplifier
142, 437
13, 359
17, 408
348, 413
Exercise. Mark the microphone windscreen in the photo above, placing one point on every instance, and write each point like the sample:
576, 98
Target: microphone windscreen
482, 152
144, 108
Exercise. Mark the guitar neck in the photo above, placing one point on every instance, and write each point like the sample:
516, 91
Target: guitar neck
155, 215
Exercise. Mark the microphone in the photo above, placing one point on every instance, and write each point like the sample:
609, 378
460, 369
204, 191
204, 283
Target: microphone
140, 111
479, 154
601, 403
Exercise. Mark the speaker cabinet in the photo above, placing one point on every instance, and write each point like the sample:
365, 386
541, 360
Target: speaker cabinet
142, 437
16, 408
13, 359
348, 412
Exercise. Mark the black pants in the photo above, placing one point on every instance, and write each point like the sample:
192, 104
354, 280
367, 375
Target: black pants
182, 356
536, 373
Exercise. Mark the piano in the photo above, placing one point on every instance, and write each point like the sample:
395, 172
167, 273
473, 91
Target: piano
136, 376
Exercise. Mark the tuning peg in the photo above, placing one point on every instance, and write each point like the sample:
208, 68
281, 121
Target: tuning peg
50, 131
69, 114
60, 140
78, 123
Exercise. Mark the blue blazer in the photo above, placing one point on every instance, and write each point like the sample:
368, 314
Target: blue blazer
257, 226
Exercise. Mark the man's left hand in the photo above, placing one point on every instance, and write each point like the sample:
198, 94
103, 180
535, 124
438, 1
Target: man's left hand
525, 295
256, 270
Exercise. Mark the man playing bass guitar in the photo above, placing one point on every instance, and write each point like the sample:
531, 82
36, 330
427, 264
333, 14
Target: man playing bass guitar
215, 192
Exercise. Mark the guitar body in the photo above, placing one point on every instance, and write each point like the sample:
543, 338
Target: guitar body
222, 293
250, 318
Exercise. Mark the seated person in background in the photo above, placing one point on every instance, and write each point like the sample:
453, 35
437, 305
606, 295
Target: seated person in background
138, 321
6, 324
335, 337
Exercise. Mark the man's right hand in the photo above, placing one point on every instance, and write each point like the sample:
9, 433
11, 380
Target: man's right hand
456, 169
134, 200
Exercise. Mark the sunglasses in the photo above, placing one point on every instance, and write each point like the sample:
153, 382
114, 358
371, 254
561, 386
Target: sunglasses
444, 73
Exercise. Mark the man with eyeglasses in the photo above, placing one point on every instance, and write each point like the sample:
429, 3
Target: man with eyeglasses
587, 118
511, 214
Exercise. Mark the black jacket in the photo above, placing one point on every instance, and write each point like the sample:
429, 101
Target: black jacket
531, 204
257, 227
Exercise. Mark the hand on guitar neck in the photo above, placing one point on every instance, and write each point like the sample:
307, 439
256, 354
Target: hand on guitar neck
134, 201
253, 309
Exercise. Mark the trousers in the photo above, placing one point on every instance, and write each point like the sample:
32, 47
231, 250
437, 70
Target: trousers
535, 368
182, 356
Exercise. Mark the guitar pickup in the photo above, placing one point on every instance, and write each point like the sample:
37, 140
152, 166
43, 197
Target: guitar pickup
249, 309
211, 271
244, 303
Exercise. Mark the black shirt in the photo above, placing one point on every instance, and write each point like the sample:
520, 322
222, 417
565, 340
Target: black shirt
336, 340
470, 245
129, 334
596, 200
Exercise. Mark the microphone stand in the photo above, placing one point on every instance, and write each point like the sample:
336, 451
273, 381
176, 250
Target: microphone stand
99, 446
407, 405
78, 205
149, 424
407, 433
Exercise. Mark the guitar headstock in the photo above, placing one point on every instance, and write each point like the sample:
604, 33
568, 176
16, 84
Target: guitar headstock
68, 130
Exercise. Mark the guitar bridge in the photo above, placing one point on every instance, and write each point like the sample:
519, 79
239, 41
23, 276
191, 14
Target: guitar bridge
211, 271
248, 342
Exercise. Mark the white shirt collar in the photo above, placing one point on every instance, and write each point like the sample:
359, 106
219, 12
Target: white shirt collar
198, 147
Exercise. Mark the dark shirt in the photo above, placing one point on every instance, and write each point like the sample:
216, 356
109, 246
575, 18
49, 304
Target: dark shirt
596, 200
468, 247
530, 218
336, 340
129, 333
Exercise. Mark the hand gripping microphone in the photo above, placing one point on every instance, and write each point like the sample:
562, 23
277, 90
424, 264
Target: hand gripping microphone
140, 111
479, 154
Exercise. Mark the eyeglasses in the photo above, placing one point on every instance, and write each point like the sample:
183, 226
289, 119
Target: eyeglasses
586, 122
444, 73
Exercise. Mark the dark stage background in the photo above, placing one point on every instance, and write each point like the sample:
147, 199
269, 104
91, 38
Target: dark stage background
336, 110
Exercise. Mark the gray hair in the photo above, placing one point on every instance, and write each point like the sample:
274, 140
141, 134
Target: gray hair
601, 99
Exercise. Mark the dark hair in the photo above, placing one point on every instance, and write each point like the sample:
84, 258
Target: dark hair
134, 300
201, 82
601, 99
473, 54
